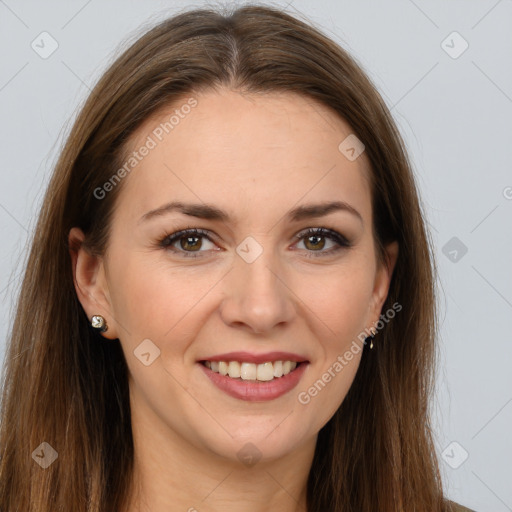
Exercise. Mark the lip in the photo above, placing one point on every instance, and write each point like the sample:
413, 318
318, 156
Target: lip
255, 391
247, 357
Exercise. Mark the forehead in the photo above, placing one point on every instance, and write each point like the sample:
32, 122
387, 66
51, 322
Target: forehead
242, 149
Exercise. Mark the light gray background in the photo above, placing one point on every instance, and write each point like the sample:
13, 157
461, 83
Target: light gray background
454, 114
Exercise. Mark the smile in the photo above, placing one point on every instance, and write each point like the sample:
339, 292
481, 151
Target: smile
247, 386
250, 371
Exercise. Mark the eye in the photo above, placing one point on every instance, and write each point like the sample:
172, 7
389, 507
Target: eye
314, 240
189, 242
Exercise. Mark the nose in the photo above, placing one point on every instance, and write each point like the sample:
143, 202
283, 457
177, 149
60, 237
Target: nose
256, 295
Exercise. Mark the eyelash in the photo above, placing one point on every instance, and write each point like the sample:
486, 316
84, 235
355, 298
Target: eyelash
168, 240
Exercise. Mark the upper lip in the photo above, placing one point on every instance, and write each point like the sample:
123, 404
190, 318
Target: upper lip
257, 358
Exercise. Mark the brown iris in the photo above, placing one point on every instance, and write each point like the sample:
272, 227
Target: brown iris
315, 244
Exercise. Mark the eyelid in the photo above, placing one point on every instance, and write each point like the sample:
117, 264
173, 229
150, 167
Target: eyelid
322, 231
170, 238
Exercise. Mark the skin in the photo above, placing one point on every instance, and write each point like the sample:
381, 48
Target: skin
257, 157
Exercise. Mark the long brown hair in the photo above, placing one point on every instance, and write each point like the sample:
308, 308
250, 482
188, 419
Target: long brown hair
64, 385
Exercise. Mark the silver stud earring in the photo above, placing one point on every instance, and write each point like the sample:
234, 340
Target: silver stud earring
99, 323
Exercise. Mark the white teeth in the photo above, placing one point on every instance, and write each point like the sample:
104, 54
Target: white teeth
223, 368
234, 369
265, 371
248, 371
251, 371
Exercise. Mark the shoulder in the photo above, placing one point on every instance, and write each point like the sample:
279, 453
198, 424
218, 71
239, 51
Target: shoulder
456, 507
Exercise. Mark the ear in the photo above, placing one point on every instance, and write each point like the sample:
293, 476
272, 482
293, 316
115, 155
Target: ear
90, 282
382, 281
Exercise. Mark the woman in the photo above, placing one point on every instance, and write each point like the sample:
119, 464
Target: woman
229, 302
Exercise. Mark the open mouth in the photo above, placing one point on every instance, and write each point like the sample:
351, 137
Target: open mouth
263, 372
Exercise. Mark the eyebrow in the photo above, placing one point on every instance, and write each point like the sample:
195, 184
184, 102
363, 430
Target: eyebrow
207, 211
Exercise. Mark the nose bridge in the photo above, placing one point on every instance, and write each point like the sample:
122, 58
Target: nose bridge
255, 292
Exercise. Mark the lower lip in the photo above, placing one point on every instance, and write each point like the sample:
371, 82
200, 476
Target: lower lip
256, 391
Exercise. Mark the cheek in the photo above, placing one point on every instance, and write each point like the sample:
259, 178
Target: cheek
145, 298
158, 302
339, 298
337, 305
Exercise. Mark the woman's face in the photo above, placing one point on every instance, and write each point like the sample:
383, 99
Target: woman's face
253, 282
